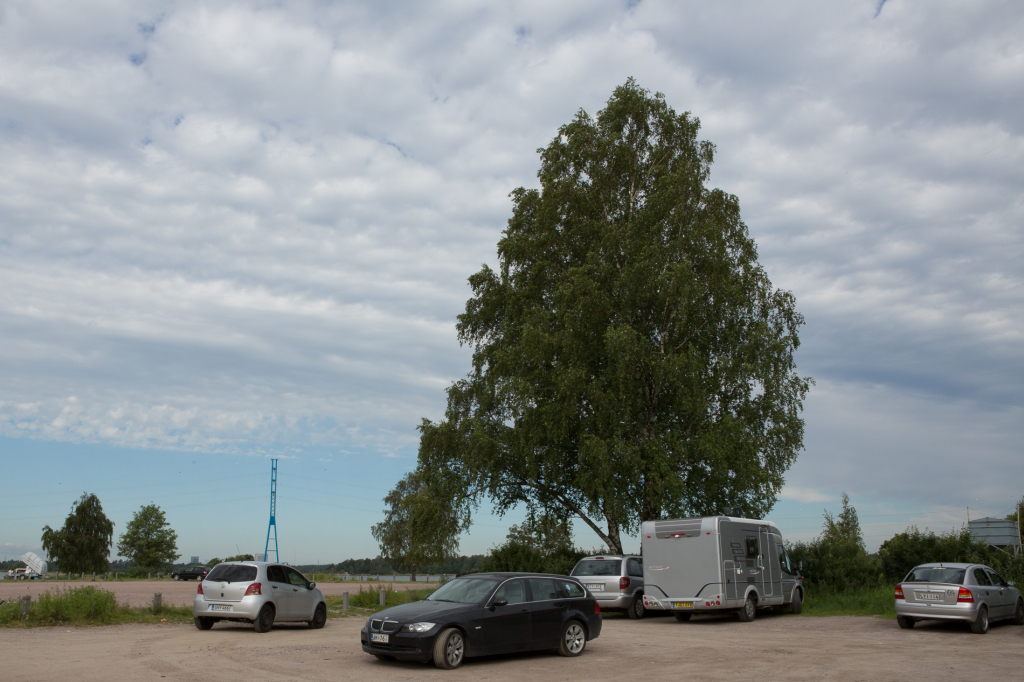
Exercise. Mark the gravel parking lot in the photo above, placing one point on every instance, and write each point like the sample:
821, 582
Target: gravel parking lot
172, 592
771, 648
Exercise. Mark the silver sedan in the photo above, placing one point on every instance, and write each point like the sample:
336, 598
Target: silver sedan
259, 593
968, 592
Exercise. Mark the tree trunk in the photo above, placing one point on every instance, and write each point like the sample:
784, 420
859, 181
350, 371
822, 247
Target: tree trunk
614, 542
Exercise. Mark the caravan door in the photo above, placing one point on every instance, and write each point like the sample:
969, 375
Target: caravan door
764, 560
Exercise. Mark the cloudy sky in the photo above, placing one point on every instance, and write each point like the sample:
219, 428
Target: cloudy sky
231, 231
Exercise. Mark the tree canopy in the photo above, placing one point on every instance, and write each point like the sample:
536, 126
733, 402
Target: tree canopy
83, 544
148, 540
632, 360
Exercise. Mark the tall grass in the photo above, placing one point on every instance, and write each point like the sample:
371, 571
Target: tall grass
85, 606
863, 601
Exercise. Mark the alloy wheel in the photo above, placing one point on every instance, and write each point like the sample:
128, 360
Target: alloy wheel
454, 649
574, 638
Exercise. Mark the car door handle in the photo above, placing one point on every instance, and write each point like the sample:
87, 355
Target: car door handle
560, 605
274, 586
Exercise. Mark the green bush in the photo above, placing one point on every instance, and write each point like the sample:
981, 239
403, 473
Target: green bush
87, 605
837, 559
910, 548
370, 597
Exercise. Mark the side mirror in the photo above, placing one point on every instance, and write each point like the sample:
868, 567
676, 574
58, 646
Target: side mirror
311, 585
1012, 583
800, 565
498, 602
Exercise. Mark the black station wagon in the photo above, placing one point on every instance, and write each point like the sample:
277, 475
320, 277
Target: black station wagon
486, 613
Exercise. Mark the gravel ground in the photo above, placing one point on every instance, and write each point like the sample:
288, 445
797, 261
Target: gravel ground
771, 648
173, 592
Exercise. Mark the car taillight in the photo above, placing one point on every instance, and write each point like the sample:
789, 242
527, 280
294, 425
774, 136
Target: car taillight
200, 590
899, 591
965, 596
597, 608
623, 583
255, 588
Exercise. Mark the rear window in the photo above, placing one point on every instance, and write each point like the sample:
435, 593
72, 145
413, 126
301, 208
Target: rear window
936, 574
231, 573
598, 567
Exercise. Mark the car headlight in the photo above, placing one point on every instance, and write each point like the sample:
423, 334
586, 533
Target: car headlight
418, 627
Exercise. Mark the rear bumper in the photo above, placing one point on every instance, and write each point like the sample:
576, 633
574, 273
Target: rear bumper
622, 601
960, 611
248, 608
688, 604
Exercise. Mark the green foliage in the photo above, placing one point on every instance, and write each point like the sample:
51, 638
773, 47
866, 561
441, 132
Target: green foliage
836, 559
83, 544
370, 597
903, 551
241, 557
213, 562
870, 600
542, 544
149, 541
632, 360
420, 526
87, 605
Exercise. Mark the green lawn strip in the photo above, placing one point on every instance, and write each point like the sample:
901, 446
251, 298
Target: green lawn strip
868, 601
367, 602
83, 606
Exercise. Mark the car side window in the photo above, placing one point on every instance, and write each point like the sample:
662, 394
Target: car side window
295, 578
981, 578
275, 574
544, 589
513, 592
572, 589
997, 579
635, 568
784, 561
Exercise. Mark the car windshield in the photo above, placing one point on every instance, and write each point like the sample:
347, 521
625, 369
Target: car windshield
232, 573
598, 567
936, 574
464, 590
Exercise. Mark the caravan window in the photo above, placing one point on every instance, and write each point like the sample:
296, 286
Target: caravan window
598, 567
784, 561
752, 550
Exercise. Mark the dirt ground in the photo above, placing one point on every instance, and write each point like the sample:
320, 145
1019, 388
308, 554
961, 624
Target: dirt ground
172, 592
771, 648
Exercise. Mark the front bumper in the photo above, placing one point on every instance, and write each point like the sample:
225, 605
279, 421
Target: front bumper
404, 646
247, 609
966, 611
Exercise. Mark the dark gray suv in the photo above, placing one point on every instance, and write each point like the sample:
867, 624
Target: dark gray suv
616, 581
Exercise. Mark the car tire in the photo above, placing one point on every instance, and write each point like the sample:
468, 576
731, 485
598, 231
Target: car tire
573, 639
1018, 613
265, 620
636, 609
319, 616
748, 611
203, 623
797, 605
905, 622
449, 649
980, 624
682, 617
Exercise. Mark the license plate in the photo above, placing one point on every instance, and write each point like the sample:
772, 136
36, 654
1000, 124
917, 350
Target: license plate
598, 587
682, 604
383, 639
220, 607
930, 596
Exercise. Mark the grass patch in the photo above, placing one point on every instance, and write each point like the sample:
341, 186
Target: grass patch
367, 602
866, 601
82, 606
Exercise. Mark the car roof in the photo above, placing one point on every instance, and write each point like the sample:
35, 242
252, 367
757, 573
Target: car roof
600, 557
502, 575
946, 564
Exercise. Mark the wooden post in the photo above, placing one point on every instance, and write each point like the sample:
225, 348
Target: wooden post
157, 602
25, 601
344, 600
382, 597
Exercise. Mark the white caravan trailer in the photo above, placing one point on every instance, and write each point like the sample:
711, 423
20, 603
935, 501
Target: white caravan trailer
717, 563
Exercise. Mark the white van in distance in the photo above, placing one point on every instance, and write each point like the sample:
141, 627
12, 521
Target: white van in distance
717, 563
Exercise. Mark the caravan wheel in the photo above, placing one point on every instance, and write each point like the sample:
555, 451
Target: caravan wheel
749, 609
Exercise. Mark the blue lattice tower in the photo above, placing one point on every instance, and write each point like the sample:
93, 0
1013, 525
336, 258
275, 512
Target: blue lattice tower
273, 513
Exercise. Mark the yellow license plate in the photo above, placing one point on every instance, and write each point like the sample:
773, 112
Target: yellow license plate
682, 604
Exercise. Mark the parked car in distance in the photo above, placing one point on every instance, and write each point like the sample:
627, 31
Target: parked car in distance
486, 613
616, 581
259, 593
190, 573
970, 592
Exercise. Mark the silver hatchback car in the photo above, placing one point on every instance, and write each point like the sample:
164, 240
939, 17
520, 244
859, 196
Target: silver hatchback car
968, 592
259, 593
616, 581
